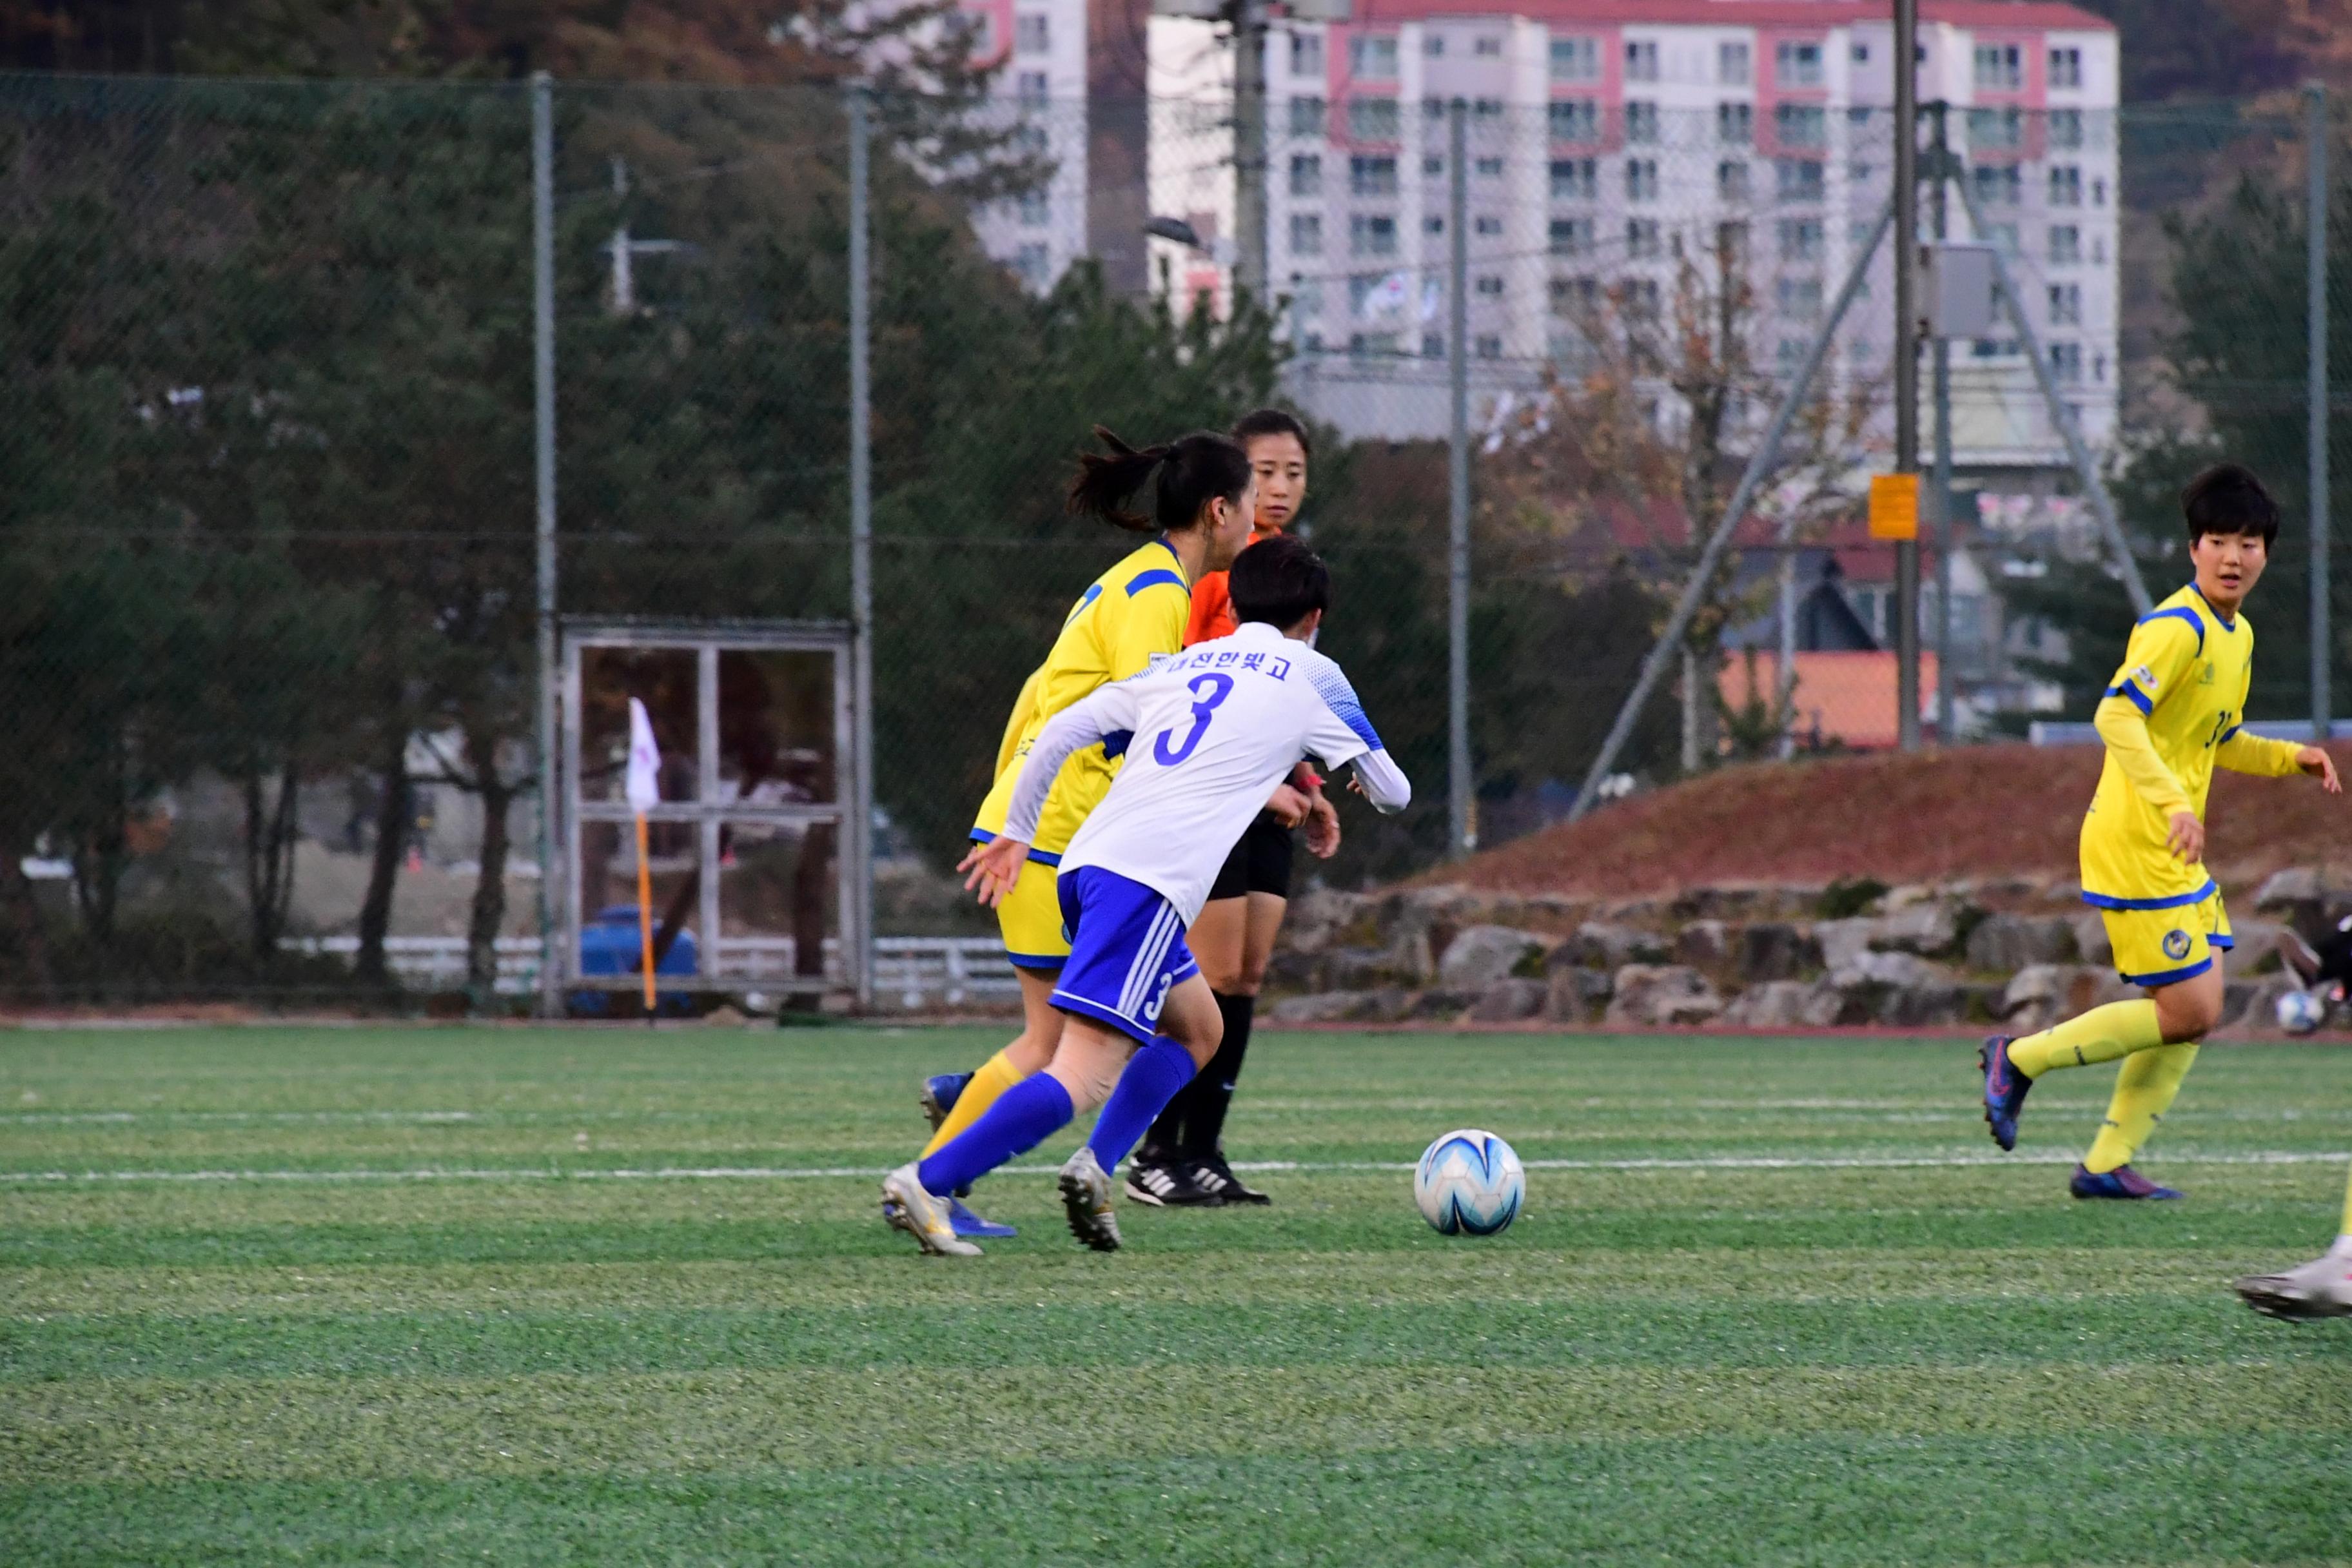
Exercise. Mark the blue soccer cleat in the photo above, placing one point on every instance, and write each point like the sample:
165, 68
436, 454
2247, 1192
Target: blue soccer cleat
965, 1223
2123, 1182
2004, 1091
939, 1096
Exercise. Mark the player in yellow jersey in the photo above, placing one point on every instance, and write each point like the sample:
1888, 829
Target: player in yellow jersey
2175, 711
1204, 496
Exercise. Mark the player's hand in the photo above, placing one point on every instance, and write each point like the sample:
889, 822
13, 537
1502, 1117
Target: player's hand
2315, 761
1288, 804
994, 866
1322, 826
2187, 838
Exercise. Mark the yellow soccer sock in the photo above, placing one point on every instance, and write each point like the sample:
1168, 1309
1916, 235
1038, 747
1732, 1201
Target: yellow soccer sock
2346, 1231
2145, 1086
996, 1075
2101, 1035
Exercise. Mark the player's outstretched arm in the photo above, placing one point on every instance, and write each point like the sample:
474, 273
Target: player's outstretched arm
2315, 761
994, 866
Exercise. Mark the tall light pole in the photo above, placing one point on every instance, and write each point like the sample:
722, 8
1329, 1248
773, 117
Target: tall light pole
1906, 361
1249, 23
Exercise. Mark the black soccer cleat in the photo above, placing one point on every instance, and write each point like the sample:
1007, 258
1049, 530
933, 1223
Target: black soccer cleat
1218, 1177
1170, 1184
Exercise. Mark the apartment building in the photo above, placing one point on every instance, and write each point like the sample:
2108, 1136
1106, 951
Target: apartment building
1039, 95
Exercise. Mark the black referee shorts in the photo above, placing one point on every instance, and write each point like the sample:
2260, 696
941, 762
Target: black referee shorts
1260, 862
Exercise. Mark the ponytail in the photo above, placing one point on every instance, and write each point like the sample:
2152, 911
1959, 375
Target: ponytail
1192, 471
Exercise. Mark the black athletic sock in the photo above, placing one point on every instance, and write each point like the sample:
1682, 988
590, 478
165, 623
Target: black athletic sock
1212, 1092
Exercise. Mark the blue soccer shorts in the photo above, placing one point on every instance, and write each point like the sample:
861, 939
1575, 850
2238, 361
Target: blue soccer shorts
1126, 951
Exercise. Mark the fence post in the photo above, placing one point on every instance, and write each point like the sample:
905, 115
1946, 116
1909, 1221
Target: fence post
1462, 835
1906, 363
861, 556
2315, 264
543, 290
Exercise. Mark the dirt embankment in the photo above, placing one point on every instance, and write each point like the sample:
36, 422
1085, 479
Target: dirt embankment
1971, 811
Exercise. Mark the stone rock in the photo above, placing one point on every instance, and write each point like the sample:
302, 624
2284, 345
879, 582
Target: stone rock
1921, 1006
1650, 995
2286, 889
1577, 996
1703, 944
1319, 1008
2250, 1009
1601, 944
1892, 969
1358, 968
1478, 956
1509, 1001
1322, 917
1288, 968
2258, 946
1843, 942
1781, 1004
2040, 994
2009, 943
1437, 1004
1773, 950
1931, 927
2091, 943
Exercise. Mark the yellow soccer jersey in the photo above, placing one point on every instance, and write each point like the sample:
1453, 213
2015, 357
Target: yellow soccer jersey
1136, 609
2173, 712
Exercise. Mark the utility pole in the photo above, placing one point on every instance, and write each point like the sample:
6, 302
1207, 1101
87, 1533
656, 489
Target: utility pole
860, 922
2316, 282
1463, 835
1906, 359
1940, 486
1249, 24
542, 310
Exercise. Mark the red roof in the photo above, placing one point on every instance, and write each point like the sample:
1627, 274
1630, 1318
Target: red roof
1846, 697
1974, 14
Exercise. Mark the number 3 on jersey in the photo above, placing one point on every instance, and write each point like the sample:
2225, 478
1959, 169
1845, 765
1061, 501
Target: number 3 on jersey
1207, 691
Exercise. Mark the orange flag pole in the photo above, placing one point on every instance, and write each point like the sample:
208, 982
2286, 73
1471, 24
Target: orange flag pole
645, 916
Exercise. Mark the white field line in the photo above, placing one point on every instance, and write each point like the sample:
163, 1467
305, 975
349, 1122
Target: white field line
1307, 1167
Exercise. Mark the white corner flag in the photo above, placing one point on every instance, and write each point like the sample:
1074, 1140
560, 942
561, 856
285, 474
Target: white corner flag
644, 761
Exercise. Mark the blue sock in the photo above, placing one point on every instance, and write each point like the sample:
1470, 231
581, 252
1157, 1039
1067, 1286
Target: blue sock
1154, 1075
1023, 1117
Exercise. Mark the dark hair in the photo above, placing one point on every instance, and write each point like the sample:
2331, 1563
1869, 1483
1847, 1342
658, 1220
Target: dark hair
1278, 581
2228, 499
1272, 422
1193, 470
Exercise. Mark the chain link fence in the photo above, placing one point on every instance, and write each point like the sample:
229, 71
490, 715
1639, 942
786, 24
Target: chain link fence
269, 424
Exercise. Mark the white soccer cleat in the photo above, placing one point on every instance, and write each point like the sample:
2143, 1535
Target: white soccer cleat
2319, 1288
908, 1207
1087, 1194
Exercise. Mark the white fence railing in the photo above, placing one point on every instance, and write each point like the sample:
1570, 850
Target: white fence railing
910, 972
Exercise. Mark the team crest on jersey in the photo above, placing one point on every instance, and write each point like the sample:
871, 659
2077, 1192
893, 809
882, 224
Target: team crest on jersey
2205, 675
2176, 944
2147, 678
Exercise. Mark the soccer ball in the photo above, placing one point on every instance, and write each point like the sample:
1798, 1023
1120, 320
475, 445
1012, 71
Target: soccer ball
2300, 1012
1469, 1183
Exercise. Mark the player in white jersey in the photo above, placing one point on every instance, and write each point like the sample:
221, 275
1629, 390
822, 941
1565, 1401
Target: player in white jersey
1207, 735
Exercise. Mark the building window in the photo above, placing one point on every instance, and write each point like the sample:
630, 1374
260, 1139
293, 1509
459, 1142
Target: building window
2098, 193
1372, 57
1574, 179
1791, 352
1731, 241
1306, 174
1490, 168
1490, 346
1858, 172
1307, 54
1735, 123
1575, 59
1640, 60
1033, 33
1571, 235
1372, 118
2065, 304
1490, 225
1486, 107
1801, 125
2065, 245
1432, 46
1432, 167
1800, 239
1433, 345
2065, 186
1432, 225
1037, 211
1862, 54
1999, 184
1641, 120
1306, 233
1372, 174
1732, 66
1997, 130
1797, 64
1305, 296
1371, 234
1487, 44
1638, 297
2066, 364
980, 29
1641, 242
1999, 67
1575, 120
1033, 86
1575, 296
1035, 263
1797, 179
1306, 117
1491, 285
1372, 343
1731, 181
1800, 299
1641, 179
2065, 68
2065, 128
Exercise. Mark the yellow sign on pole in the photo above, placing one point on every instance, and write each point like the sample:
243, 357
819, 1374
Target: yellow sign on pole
1894, 506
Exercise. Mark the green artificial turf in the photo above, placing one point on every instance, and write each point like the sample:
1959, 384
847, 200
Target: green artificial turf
517, 1296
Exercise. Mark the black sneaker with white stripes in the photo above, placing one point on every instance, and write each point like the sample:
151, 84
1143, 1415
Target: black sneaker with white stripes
1218, 1177
1169, 1184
